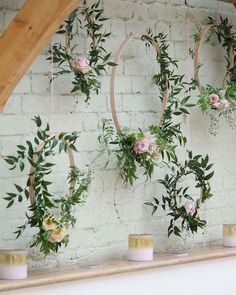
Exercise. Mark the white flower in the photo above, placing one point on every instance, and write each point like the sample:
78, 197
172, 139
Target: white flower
49, 223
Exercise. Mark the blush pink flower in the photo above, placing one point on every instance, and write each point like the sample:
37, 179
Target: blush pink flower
214, 98
190, 207
82, 64
226, 104
142, 145
216, 105
147, 144
58, 235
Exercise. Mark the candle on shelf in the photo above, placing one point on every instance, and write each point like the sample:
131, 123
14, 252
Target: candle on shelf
140, 247
229, 235
13, 264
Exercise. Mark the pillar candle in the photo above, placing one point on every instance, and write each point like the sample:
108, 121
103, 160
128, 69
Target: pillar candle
229, 235
140, 247
13, 264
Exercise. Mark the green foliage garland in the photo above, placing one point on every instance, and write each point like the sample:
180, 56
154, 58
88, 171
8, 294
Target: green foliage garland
85, 69
51, 215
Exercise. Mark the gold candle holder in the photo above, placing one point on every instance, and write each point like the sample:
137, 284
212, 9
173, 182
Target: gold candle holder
13, 264
140, 247
229, 235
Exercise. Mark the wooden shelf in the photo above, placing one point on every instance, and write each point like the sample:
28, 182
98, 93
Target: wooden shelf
41, 277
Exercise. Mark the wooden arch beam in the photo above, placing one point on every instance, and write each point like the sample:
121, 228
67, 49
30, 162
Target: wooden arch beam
229, 1
26, 36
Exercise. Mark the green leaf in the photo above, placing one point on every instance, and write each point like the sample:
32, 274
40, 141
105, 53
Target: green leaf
9, 161
154, 209
209, 176
22, 166
149, 204
20, 189
21, 147
10, 203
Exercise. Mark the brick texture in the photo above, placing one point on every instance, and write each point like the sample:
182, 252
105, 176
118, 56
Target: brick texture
98, 232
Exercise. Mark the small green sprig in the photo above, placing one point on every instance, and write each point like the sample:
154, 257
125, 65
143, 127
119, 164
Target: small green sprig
65, 55
50, 214
182, 209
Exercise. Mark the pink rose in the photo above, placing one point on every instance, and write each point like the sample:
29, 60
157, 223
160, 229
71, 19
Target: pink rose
216, 105
226, 104
190, 207
82, 64
147, 144
214, 98
141, 146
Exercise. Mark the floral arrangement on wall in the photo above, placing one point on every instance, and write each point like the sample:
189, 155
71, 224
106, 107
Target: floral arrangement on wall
52, 215
217, 101
145, 148
86, 69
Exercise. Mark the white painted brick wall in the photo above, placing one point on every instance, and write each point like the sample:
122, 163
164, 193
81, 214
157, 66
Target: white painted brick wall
99, 233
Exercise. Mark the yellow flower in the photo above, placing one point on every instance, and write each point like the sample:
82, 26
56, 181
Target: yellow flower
49, 224
58, 234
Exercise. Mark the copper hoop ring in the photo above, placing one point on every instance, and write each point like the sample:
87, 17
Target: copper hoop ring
113, 74
196, 57
32, 177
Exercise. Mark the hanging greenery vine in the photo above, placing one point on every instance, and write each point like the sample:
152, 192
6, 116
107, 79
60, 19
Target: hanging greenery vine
217, 101
86, 69
51, 215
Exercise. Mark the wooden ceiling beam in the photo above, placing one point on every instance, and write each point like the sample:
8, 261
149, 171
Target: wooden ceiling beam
229, 1
26, 36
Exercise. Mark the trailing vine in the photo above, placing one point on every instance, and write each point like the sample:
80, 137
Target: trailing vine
50, 214
86, 69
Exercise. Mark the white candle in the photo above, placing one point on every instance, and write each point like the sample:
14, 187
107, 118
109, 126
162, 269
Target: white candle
140, 247
229, 235
13, 264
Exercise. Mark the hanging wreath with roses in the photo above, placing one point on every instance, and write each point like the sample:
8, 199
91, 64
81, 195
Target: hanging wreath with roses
144, 147
218, 101
50, 214
86, 69
182, 207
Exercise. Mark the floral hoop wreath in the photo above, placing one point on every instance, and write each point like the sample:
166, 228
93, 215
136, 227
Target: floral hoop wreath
136, 148
182, 209
218, 99
51, 215
113, 74
86, 68
197, 49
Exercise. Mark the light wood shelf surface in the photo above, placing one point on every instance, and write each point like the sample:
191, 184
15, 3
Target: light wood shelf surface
41, 277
